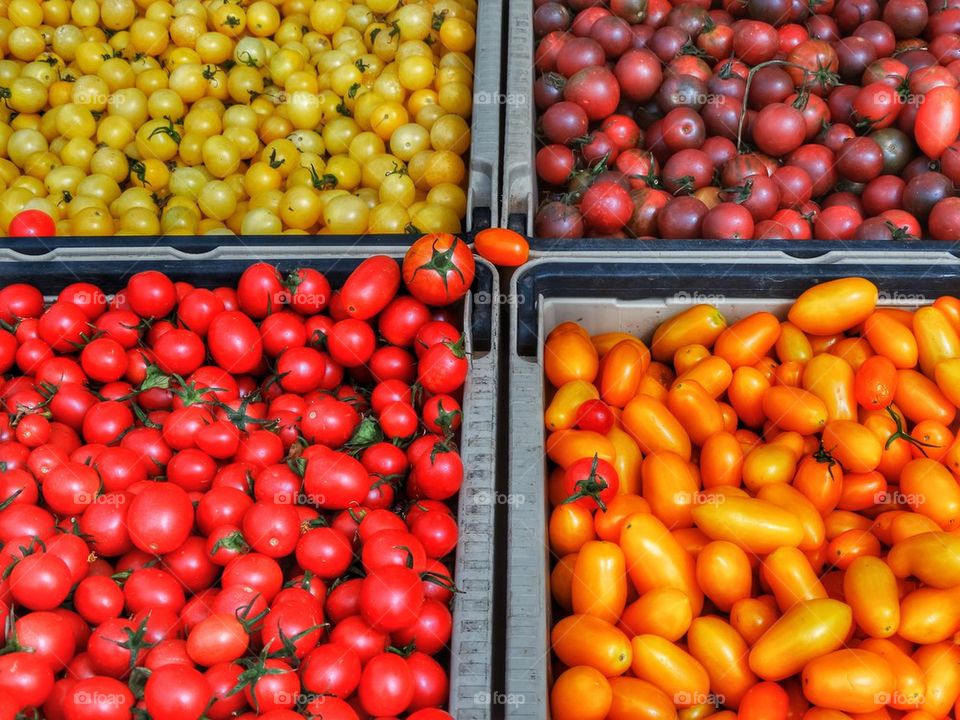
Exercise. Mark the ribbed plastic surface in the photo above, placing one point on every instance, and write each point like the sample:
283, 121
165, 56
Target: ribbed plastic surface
635, 294
471, 650
520, 195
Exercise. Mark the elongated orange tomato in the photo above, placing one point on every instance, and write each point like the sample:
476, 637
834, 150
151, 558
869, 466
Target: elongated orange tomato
789, 373
670, 487
929, 615
756, 526
937, 340
688, 356
808, 630
752, 617
856, 351
891, 339
655, 428
747, 388
700, 324
723, 653
721, 460
724, 573
849, 680
910, 682
791, 579
588, 640
932, 557
622, 370
830, 378
940, 663
655, 559
908, 524
853, 445
793, 344
561, 581
634, 698
561, 413
628, 459
609, 524
580, 693
920, 399
820, 479
698, 413
834, 306
662, 611
748, 340
768, 464
570, 356
599, 585
949, 306
713, 373
605, 342
870, 588
570, 526
931, 490
675, 671
947, 376
791, 499
794, 409
565, 447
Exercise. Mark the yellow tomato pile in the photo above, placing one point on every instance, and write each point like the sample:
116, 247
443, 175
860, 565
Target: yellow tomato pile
758, 519
189, 116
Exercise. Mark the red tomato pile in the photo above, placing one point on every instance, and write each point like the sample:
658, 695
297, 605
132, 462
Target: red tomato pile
740, 119
232, 502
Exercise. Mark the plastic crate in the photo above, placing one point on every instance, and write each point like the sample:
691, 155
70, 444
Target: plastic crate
471, 650
634, 294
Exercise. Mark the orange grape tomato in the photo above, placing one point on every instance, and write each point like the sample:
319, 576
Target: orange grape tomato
789, 373
929, 615
930, 489
931, 557
793, 344
949, 306
947, 377
671, 668
570, 527
599, 584
700, 324
688, 356
605, 342
746, 391
730, 419
561, 581
825, 343
627, 461
570, 356
721, 460
654, 427
831, 379
933, 439
655, 559
609, 524
860, 491
752, 617
663, 374
849, 545
908, 524
768, 366
838, 522
502, 247
794, 409
566, 327
713, 373
789, 498
855, 350
580, 693
756, 526
853, 445
834, 306
691, 539
723, 652
920, 399
664, 611
724, 573
765, 701
937, 339
794, 441
565, 447
875, 383
634, 698
819, 478
561, 413
808, 630
849, 680
621, 371
788, 574
768, 464
748, 340
940, 663
870, 588
588, 640
698, 413
670, 487
891, 339
910, 682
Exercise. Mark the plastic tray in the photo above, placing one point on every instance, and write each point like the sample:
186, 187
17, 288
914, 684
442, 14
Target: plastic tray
634, 294
471, 651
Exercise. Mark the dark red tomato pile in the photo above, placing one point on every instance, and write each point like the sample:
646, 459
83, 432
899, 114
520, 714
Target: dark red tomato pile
233, 502
740, 119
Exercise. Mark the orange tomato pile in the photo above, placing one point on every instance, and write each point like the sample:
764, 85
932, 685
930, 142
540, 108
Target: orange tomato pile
759, 519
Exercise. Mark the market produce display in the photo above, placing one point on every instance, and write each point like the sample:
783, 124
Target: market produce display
747, 119
237, 501
757, 519
143, 117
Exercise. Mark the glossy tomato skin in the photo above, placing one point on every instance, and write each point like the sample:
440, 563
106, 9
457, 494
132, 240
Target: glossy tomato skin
371, 286
438, 269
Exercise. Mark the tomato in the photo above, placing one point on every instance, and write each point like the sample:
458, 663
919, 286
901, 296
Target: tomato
438, 269
160, 518
723, 653
621, 370
654, 427
875, 383
502, 247
98, 697
599, 584
752, 524
176, 691
788, 573
849, 680
632, 696
235, 344
647, 545
581, 693
32, 223
386, 685
938, 121
834, 306
674, 671
371, 286
701, 324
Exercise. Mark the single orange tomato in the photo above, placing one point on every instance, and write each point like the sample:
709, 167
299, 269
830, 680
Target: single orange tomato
789, 498
768, 464
896, 451
853, 445
662, 611
931, 557
870, 589
599, 585
748, 340
723, 652
570, 526
937, 340
570, 356
768, 366
670, 487
891, 339
947, 376
860, 491
668, 666
831, 379
565, 447
654, 427
724, 573
752, 617
820, 479
652, 388
747, 388
561, 581
930, 489
700, 324
688, 356
721, 460
698, 413
756, 526
730, 419
609, 524
837, 522
789, 373
628, 459
920, 399
580, 693
933, 439
834, 306
849, 680
949, 306
911, 685
793, 344
767, 701
908, 524
605, 342
663, 374
791, 579
929, 615
855, 350
795, 442
502, 247
875, 383
848, 546
634, 698
794, 409
588, 640
713, 373
621, 371
940, 664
